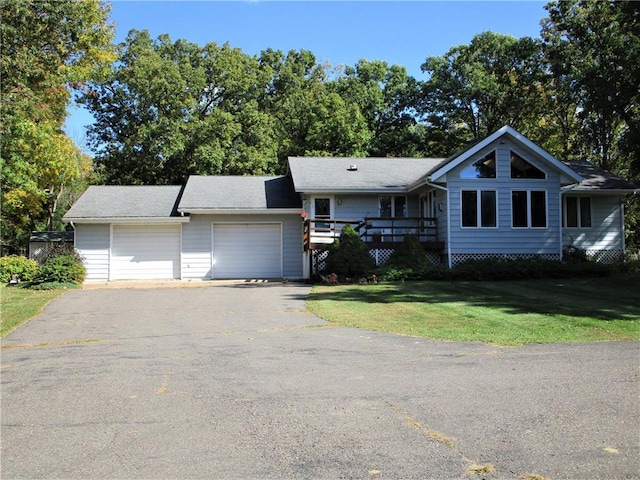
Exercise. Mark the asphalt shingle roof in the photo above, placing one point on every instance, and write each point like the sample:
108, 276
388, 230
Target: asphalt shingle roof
238, 193
371, 174
596, 179
111, 201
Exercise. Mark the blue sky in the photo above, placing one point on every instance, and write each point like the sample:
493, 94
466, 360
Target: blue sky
338, 33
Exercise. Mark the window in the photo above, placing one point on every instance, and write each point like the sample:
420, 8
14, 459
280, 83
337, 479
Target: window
483, 168
520, 168
392, 206
528, 209
577, 212
479, 208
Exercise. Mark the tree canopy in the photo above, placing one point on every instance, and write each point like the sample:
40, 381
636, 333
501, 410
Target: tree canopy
167, 109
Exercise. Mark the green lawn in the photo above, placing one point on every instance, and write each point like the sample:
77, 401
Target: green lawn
505, 313
17, 305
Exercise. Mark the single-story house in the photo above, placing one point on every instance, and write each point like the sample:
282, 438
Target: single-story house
502, 196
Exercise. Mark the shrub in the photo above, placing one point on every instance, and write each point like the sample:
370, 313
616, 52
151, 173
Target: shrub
349, 256
409, 254
60, 269
22, 267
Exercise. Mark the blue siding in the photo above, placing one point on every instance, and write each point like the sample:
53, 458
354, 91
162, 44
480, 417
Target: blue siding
606, 231
505, 239
197, 243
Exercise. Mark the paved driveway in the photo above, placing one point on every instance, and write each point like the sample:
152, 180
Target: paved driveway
238, 381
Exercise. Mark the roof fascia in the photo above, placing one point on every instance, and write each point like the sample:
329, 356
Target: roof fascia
240, 211
344, 191
145, 220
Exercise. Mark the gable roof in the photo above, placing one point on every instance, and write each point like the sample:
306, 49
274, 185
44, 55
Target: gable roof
597, 179
440, 170
135, 203
228, 194
356, 174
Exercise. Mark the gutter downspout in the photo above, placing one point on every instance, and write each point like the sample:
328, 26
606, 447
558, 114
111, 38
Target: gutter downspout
448, 220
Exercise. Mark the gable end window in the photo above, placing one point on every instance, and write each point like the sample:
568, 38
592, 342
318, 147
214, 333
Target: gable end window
483, 168
520, 168
479, 208
528, 209
577, 212
393, 206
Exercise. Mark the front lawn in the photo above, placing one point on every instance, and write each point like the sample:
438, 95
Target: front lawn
505, 313
17, 305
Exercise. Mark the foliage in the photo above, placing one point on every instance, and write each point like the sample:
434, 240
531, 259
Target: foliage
409, 254
47, 48
59, 269
22, 267
349, 256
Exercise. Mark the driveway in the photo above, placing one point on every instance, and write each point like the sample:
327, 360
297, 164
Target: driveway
239, 381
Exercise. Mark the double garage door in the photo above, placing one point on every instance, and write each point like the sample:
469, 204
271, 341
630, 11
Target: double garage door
251, 250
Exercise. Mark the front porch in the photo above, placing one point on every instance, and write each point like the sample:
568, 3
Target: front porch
376, 232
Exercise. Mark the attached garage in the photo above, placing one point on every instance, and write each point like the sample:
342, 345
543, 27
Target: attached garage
247, 250
142, 252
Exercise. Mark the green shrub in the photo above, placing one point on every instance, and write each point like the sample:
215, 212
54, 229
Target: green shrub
51, 286
409, 254
22, 267
349, 256
60, 269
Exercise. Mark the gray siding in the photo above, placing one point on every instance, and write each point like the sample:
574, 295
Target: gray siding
92, 242
504, 239
197, 242
606, 231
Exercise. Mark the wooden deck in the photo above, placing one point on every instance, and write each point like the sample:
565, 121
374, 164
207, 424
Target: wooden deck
376, 232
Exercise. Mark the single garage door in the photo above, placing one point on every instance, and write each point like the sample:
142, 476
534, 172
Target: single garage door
251, 250
141, 252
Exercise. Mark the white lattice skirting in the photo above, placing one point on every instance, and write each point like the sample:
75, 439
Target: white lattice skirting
458, 258
605, 256
380, 255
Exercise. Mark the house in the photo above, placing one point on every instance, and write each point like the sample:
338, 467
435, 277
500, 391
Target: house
502, 196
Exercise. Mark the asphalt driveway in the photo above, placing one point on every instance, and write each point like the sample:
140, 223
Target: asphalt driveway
239, 381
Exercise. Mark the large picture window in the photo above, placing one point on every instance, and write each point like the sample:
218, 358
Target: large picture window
529, 209
479, 208
393, 206
577, 212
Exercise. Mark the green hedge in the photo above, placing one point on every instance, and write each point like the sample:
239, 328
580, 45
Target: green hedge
23, 268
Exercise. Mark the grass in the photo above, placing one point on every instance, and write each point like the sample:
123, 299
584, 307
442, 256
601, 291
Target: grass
504, 313
18, 305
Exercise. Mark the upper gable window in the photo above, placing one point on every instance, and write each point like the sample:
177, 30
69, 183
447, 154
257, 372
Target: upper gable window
483, 168
520, 168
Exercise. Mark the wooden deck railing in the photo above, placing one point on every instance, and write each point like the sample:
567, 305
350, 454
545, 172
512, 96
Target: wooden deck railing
376, 231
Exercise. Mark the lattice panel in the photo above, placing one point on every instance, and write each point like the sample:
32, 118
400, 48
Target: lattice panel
381, 255
457, 258
605, 256
319, 258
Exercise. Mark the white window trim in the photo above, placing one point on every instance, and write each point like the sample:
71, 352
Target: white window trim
393, 205
479, 204
546, 208
476, 160
579, 213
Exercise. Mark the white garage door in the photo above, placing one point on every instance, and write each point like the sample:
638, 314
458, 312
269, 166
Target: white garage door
247, 250
141, 252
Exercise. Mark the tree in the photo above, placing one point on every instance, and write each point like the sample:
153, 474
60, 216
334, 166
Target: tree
386, 97
595, 48
349, 256
47, 47
475, 89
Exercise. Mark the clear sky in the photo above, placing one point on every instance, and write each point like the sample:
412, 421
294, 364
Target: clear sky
337, 32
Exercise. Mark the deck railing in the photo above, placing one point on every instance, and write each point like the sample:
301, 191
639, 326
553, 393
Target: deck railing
376, 231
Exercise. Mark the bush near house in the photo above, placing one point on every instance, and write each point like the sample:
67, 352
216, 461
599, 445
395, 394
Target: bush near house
348, 256
59, 270
21, 268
